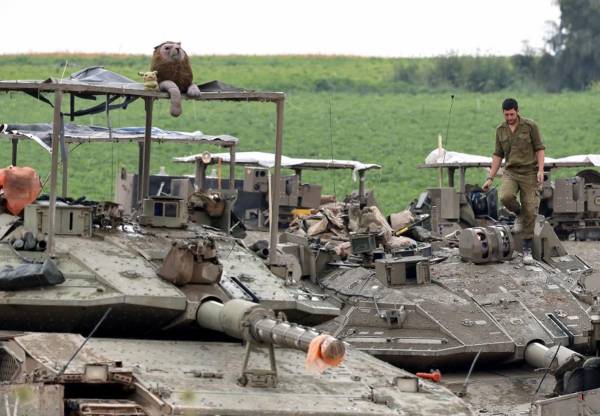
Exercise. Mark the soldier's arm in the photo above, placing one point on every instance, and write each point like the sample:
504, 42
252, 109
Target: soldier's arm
496, 162
536, 138
496, 157
540, 154
498, 151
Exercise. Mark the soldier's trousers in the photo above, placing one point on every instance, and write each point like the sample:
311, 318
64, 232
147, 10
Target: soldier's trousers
525, 184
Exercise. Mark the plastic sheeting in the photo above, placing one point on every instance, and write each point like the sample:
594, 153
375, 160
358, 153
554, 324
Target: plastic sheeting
267, 160
41, 133
441, 156
97, 75
438, 156
591, 159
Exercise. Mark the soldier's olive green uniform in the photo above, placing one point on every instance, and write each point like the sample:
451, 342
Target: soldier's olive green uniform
519, 149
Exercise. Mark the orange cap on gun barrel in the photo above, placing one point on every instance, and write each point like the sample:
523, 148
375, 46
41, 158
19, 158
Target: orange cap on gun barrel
325, 351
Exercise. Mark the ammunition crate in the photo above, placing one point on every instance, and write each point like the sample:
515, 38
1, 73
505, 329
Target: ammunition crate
362, 243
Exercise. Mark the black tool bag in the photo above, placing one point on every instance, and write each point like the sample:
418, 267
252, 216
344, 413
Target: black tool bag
28, 276
484, 204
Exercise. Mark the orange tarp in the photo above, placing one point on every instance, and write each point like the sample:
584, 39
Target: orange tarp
21, 186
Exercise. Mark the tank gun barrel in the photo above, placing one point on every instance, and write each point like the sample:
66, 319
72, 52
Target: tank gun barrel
252, 322
539, 356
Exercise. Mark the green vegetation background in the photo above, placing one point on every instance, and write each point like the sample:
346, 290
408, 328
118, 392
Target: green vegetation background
378, 115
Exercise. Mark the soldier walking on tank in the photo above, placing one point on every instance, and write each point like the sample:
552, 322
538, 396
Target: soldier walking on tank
518, 141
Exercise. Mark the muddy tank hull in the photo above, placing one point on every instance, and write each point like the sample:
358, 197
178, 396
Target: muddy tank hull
196, 378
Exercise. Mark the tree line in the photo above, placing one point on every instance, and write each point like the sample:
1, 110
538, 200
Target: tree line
570, 60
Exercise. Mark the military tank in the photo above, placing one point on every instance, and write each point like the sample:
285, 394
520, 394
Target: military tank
162, 301
441, 304
421, 311
465, 305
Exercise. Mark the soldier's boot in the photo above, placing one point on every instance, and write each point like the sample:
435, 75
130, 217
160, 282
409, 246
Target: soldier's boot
527, 253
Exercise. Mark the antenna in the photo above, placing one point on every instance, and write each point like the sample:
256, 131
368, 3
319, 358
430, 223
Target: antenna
463, 391
64, 69
448, 127
62, 371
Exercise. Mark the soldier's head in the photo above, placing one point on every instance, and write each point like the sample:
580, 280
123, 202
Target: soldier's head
510, 108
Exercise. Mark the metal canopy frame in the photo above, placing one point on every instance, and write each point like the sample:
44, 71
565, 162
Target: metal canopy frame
149, 96
308, 164
82, 139
220, 141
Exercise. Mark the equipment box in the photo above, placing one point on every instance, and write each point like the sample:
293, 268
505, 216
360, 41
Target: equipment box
310, 196
593, 198
402, 271
69, 220
569, 196
447, 201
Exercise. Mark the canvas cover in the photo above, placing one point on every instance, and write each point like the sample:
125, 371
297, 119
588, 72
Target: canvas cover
41, 133
267, 160
441, 156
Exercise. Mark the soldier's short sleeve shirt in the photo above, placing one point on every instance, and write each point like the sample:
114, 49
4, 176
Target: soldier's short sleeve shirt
519, 148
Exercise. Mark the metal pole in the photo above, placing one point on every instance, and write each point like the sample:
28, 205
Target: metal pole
145, 180
15, 143
200, 177
275, 184
361, 184
232, 168
71, 106
440, 170
56, 128
140, 171
65, 172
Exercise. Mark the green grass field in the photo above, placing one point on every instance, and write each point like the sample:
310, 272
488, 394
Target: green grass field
373, 119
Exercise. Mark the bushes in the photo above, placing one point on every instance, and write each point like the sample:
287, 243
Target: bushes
447, 71
484, 74
472, 73
408, 73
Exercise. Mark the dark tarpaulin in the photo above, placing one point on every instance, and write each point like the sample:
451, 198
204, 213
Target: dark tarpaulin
218, 86
27, 276
98, 75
